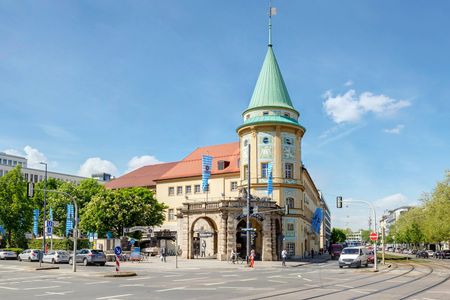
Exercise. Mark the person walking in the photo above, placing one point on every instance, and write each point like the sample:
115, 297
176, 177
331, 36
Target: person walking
203, 249
252, 258
312, 253
233, 256
162, 254
283, 257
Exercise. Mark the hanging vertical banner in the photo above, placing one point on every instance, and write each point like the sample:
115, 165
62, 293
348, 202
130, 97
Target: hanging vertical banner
69, 218
35, 222
51, 214
269, 178
317, 220
206, 171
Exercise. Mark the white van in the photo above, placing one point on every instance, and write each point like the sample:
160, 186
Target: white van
354, 257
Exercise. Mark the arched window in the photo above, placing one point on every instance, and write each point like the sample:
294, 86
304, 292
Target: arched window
290, 202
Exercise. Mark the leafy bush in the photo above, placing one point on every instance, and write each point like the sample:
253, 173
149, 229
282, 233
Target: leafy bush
64, 244
17, 250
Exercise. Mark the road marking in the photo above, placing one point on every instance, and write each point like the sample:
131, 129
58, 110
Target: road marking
115, 296
8, 288
139, 278
205, 273
311, 285
276, 281
53, 293
344, 286
96, 282
60, 281
134, 284
189, 279
438, 292
274, 276
230, 275
200, 289
215, 283
307, 279
248, 279
177, 275
172, 289
42, 287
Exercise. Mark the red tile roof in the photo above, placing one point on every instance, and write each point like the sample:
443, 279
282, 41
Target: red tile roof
143, 177
191, 165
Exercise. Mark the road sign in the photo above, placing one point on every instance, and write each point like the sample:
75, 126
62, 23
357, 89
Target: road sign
132, 241
373, 236
248, 229
49, 227
118, 250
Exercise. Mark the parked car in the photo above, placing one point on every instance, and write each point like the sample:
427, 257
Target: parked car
89, 256
370, 257
354, 257
30, 255
6, 254
335, 251
422, 254
445, 254
56, 256
430, 253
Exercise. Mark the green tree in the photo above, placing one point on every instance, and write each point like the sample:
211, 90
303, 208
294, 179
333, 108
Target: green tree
365, 235
16, 209
113, 210
337, 235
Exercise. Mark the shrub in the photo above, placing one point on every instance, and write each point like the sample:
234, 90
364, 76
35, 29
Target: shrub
63, 244
17, 250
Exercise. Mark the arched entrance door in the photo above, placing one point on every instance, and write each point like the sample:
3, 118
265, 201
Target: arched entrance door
255, 238
204, 238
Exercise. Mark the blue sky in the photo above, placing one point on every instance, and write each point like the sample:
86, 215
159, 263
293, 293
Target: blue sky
111, 85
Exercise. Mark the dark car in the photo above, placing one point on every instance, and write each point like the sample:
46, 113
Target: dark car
370, 257
422, 254
335, 251
442, 254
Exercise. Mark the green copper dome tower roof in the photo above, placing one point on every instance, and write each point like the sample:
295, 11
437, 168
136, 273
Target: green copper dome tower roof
270, 89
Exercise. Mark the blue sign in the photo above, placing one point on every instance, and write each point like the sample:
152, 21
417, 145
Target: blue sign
49, 227
35, 221
118, 250
135, 253
269, 179
109, 235
132, 241
206, 170
317, 220
69, 218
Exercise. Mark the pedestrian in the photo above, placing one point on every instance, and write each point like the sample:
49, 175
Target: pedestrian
162, 254
252, 258
203, 249
233, 256
283, 257
312, 253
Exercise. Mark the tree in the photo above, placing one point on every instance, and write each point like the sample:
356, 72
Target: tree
16, 209
337, 236
365, 235
113, 210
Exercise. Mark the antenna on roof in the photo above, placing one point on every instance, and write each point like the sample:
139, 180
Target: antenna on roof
272, 12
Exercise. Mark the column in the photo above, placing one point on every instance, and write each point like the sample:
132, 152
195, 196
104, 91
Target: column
222, 247
267, 240
231, 234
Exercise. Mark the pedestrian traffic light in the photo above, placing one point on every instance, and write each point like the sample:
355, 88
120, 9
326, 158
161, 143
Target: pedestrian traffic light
339, 202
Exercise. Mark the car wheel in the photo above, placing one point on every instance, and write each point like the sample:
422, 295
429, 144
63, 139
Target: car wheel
53, 261
20, 259
367, 264
341, 267
102, 264
85, 262
29, 259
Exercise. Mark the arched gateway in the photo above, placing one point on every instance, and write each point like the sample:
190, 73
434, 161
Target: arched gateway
217, 225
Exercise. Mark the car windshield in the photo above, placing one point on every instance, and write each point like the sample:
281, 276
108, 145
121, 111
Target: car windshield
96, 251
61, 252
350, 251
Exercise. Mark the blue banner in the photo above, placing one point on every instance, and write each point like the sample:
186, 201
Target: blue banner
51, 214
206, 171
317, 220
35, 222
69, 218
269, 179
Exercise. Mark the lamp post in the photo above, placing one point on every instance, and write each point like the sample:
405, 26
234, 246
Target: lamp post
45, 217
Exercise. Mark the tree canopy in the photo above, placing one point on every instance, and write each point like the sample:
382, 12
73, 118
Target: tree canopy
338, 235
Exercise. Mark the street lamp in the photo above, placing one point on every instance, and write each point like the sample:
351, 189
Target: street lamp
45, 217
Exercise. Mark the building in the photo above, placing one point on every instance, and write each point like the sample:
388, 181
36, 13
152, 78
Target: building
354, 238
391, 216
9, 162
213, 221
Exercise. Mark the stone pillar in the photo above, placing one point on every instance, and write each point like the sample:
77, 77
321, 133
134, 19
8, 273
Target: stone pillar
222, 255
183, 236
231, 233
267, 240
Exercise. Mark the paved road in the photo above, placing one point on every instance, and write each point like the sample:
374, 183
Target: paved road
219, 280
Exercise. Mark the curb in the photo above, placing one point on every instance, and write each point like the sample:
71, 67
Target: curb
120, 274
46, 268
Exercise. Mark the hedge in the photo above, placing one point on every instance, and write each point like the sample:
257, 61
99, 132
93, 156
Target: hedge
64, 244
17, 250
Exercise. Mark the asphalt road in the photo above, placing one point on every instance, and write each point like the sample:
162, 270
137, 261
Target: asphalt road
207, 279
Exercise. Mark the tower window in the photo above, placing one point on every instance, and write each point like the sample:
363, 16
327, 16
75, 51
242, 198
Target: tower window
171, 191
290, 202
247, 117
264, 170
265, 140
265, 113
288, 170
287, 115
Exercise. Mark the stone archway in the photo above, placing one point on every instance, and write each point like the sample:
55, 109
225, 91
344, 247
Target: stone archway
256, 240
204, 235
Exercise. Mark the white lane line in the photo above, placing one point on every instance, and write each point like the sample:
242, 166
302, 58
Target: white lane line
274, 276
276, 281
200, 289
307, 279
60, 281
133, 284
172, 289
96, 282
230, 275
215, 283
42, 287
438, 292
54, 293
205, 273
189, 279
8, 288
139, 278
248, 279
115, 296
178, 275
311, 285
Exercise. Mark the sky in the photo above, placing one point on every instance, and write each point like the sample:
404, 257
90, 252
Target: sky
114, 85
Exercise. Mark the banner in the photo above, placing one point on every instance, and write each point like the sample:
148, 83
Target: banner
206, 171
69, 218
269, 179
317, 220
35, 222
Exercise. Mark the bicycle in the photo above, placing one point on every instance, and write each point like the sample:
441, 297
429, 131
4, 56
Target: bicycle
236, 259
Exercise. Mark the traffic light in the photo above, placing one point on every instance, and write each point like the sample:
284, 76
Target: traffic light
286, 209
251, 210
339, 202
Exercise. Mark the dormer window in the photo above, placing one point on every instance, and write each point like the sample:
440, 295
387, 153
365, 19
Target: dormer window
222, 164
265, 113
247, 117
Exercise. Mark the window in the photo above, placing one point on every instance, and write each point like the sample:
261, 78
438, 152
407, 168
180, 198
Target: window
264, 170
9, 162
15, 163
290, 202
247, 117
265, 140
288, 171
287, 115
171, 191
197, 188
188, 189
1, 173
35, 178
290, 248
245, 143
245, 172
171, 215
26, 176
179, 190
265, 113
290, 226
233, 185
288, 141
222, 164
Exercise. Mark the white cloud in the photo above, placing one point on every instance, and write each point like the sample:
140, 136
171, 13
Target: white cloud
396, 130
34, 156
351, 107
348, 83
96, 165
140, 161
58, 132
391, 201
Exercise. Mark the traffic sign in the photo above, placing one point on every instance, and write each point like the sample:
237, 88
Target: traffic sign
373, 236
132, 241
248, 229
118, 250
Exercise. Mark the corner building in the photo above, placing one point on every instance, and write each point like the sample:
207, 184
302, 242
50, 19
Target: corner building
209, 224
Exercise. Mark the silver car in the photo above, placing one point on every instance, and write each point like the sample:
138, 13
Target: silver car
56, 256
89, 256
30, 255
6, 254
